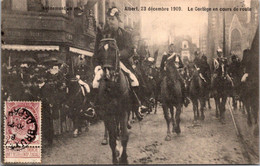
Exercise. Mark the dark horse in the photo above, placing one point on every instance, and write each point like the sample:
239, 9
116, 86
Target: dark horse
221, 88
197, 91
114, 99
145, 71
80, 109
148, 75
250, 84
171, 95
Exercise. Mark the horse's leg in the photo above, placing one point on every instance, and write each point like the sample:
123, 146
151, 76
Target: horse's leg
194, 108
255, 112
217, 103
128, 120
111, 126
223, 109
172, 117
178, 119
202, 107
105, 141
124, 138
234, 102
167, 118
76, 123
208, 99
156, 95
248, 110
255, 108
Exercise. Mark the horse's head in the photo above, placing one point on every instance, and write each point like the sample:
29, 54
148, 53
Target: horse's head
148, 65
109, 55
171, 68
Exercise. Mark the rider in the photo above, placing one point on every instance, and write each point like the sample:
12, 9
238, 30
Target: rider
126, 50
205, 68
234, 68
221, 63
197, 60
179, 65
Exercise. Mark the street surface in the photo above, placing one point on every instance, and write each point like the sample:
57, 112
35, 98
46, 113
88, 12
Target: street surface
201, 142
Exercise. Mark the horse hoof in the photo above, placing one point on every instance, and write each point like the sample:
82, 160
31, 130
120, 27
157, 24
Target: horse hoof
129, 126
104, 142
177, 130
123, 160
115, 161
217, 115
75, 133
168, 138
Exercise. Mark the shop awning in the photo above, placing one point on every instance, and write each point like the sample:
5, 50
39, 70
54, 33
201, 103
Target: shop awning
81, 52
30, 47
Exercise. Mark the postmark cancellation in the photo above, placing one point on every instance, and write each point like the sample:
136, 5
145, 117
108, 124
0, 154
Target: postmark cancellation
22, 132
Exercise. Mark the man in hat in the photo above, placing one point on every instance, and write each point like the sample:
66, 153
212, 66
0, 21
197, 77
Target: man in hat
126, 50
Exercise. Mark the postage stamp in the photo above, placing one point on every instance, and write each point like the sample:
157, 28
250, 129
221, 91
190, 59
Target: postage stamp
22, 132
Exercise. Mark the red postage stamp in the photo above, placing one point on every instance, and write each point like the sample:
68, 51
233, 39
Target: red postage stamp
22, 132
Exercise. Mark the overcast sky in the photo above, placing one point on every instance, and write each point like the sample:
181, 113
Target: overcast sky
156, 24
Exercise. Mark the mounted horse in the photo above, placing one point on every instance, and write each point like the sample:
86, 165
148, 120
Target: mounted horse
145, 70
78, 102
236, 75
197, 91
171, 95
221, 86
114, 99
250, 82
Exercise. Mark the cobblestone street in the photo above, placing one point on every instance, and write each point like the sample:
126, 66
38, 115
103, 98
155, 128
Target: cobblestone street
201, 142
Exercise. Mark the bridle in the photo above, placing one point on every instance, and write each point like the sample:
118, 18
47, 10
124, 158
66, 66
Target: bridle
110, 72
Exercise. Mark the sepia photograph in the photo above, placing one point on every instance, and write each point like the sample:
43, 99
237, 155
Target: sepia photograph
142, 82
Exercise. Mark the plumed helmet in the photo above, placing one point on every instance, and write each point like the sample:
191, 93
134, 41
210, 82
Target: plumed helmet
219, 50
196, 53
113, 11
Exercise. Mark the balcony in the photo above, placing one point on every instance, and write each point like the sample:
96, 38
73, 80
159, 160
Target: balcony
25, 27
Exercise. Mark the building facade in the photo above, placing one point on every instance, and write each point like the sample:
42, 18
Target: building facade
232, 31
64, 29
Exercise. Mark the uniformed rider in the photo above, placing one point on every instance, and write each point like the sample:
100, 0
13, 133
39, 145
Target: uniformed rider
220, 67
126, 50
179, 65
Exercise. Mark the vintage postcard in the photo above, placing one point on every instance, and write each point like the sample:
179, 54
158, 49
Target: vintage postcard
129, 82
